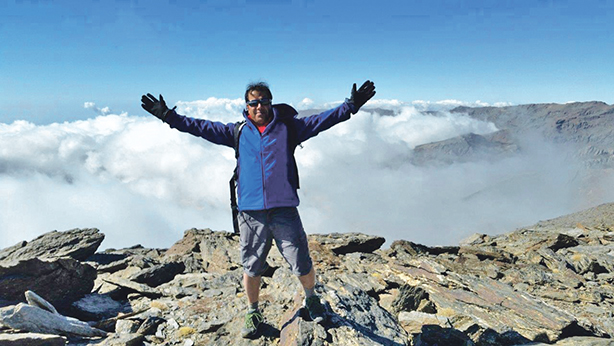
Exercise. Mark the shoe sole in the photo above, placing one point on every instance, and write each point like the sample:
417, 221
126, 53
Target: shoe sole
249, 335
318, 320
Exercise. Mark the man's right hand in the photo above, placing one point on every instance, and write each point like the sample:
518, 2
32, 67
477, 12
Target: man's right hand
155, 107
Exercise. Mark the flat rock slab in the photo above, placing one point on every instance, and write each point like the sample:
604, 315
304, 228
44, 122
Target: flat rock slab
37, 320
343, 243
77, 243
31, 339
492, 305
134, 286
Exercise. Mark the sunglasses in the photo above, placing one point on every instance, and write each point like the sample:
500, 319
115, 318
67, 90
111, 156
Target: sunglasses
254, 103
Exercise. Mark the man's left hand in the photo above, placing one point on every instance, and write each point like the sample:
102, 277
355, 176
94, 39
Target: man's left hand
361, 96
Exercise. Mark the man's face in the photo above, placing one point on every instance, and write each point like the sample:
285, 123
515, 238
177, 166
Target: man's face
260, 113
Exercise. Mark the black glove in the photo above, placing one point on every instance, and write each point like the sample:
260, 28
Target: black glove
361, 96
155, 107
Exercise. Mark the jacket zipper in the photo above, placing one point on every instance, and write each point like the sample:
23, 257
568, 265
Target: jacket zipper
262, 169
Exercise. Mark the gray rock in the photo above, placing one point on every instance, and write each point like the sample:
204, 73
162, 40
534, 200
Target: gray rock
562, 241
132, 286
353, 310
34, 299
403, 251
158, 274
409, 299
412, 321
114, 266
78, 244
31, 339
597, 259
354, 319
474, 239
218, 251
37, 320
127, 326
150, 325
297, 331
343, 243
61, 281
469, 300
133, 339
96, 306
487, 253
434, 335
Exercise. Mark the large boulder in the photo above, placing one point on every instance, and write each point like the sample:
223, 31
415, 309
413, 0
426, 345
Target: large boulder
77, 243
61, 281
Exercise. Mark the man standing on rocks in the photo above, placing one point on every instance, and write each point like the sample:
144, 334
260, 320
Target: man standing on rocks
267, 182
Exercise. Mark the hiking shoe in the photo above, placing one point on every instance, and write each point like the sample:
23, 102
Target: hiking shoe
252, 321
314, 307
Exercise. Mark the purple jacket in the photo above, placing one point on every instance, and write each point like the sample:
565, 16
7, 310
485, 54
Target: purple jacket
267, 177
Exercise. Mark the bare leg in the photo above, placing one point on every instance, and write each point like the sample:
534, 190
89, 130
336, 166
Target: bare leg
253, 318
308, 280
252, 287
312, 302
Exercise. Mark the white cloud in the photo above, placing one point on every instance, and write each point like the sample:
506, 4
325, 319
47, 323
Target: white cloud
99, 111
224, 110
450, 104
306, 103
129, 176
141, 182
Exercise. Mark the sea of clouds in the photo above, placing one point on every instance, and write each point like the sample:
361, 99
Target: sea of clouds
140, 182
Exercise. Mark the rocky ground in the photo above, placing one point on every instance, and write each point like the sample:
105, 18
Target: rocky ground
550, 283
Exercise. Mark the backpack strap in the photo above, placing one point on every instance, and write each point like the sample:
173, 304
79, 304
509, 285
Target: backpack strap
237, 133
292, 143
233, 181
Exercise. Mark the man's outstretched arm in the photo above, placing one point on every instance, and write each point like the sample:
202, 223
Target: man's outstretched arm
312, 125
215, 132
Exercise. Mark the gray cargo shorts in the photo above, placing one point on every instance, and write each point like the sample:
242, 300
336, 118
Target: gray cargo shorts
258, 229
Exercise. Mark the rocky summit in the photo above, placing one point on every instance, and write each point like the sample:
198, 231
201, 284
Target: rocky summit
550, 283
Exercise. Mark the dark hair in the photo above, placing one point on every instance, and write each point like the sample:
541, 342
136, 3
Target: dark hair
261, 87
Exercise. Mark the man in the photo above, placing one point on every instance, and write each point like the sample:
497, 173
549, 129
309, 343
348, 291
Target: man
268, 182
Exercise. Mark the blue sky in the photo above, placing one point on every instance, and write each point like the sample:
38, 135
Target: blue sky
57, 55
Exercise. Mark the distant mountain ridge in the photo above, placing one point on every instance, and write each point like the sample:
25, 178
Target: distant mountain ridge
587, 126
